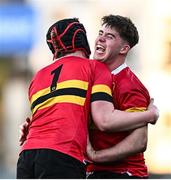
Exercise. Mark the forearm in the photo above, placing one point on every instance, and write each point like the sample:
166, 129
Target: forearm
124, 121
134, 143
106, 118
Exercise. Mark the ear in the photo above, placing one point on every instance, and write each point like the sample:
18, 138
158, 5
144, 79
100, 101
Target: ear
125, 48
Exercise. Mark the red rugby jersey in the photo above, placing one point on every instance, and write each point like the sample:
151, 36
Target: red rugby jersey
60, 96
128, 94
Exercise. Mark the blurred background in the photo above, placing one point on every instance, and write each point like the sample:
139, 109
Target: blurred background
23, 51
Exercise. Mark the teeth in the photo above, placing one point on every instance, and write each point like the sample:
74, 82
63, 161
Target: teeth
100, 48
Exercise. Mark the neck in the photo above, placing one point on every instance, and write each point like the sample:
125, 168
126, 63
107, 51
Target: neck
112, 65
76, 53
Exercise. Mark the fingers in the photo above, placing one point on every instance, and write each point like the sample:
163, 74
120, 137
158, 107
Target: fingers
22, 136
21, 141
152, 100
23, 130
151, 103
154, 110
28, 120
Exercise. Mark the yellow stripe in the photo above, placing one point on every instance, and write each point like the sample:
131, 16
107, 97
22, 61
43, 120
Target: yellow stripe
66, 84
136, 109
39, 94
101, 88
60, 99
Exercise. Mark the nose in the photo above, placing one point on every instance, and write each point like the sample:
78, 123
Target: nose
101, 38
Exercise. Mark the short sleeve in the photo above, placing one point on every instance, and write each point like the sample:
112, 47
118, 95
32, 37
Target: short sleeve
102, 83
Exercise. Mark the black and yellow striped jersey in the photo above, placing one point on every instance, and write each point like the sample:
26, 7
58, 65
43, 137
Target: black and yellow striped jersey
60, 96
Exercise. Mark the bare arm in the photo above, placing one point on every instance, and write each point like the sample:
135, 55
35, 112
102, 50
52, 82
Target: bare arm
134, 143
106, 118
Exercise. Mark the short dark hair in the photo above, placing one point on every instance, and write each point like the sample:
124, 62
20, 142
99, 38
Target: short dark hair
124, 26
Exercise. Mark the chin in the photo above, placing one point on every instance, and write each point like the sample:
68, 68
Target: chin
101, 59
98, 58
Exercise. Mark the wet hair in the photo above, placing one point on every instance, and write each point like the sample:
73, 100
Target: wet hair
67, 36
124, 26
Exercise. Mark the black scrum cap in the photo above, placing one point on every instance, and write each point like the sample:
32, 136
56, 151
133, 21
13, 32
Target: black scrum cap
67, 35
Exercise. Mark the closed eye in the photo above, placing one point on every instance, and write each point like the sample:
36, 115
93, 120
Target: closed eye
110, 36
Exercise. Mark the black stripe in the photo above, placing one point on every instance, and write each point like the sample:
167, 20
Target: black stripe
59, 92
101, 96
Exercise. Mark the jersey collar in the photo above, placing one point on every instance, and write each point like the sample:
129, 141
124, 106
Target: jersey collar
119, 69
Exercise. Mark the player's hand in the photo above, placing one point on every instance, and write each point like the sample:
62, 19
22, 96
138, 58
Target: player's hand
90, 151
24, 130
154, 110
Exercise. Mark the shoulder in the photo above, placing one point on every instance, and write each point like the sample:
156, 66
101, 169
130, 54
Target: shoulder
130, 90
129, 78
128, 81
99, 65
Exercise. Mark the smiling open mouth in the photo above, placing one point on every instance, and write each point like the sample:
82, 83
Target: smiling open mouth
100, 49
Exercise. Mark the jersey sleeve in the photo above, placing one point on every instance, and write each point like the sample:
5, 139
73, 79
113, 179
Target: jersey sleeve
102, 83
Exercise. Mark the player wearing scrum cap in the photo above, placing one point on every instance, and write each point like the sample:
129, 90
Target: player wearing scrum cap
60, 95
